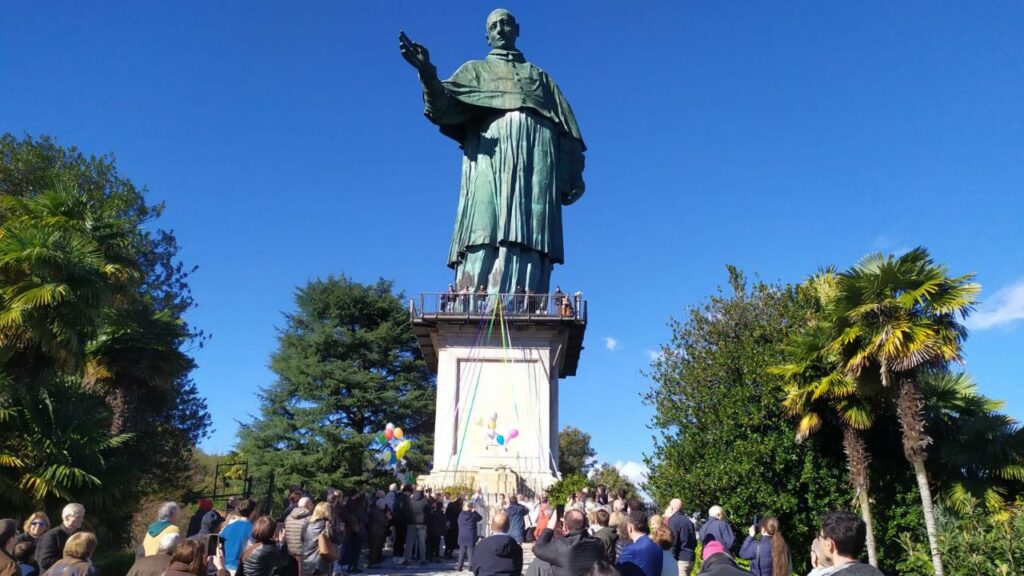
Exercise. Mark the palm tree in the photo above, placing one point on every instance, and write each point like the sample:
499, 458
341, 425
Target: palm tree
897, 317
818, 392
63, 260
981, 453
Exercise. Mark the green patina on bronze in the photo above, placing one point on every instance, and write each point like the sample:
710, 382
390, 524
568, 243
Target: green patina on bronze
522, 161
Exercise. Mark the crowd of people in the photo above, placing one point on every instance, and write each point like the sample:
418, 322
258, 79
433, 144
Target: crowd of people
592, 534
520, 301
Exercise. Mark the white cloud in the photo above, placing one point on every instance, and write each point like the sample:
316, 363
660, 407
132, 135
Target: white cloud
611, 343
888, 245
1004, 307
635, 471
654, 355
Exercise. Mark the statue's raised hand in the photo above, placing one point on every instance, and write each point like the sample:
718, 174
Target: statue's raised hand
415, 54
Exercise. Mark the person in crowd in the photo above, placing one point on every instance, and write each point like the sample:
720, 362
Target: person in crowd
842, 540
606, 534
821, 565
34, 527
231, 508
654, 522
165, 523
643, 557
295, 526
601, 497
435, 531
236, 533
716, 528
718, 562
264, 557
8, 538
314, 563
662, 536
516, 514
51, 545
156, 564
769, 555
389, 498
400, 522
452, 512
623, 540
196, 522
189, 559
574, 552
25, 555
210, 524
498, 554
544, 520
469, 521
480, 506
684, 537
77, 557
293, 501
377, 531
356, 519
416, 535
603, 568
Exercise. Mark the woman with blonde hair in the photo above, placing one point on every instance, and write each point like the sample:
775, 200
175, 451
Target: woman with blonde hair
313, 562
35, 526
77, 560
664, 538
769, 556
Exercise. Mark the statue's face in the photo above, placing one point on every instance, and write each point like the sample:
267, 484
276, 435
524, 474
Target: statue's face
502, 31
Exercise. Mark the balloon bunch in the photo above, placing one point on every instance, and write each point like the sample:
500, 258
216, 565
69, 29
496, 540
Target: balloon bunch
390, 446
492, 431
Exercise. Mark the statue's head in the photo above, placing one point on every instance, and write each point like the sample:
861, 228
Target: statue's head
502, 29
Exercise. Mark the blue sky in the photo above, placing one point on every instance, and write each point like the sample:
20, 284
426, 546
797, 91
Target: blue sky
288, 142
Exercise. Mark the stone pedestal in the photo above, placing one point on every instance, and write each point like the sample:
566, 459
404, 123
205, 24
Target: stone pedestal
509, 381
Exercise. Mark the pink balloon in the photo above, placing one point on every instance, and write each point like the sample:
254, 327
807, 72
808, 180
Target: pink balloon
389, 434
513, 433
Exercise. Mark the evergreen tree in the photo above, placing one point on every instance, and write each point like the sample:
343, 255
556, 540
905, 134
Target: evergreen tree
347, 363
575, 454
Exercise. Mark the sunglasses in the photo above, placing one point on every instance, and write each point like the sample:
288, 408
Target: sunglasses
38, 523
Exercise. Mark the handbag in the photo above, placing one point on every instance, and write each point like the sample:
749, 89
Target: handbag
326, 548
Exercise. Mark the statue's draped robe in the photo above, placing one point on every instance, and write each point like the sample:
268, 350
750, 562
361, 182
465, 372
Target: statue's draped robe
523, 159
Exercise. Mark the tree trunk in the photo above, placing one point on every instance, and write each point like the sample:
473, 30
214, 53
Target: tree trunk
857, 461
865, 512
910, 410
929, 514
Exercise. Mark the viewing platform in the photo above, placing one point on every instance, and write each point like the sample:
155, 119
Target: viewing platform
434, 314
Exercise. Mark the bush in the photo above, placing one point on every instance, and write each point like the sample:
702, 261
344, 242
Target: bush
559, 492
977, 544
114, 563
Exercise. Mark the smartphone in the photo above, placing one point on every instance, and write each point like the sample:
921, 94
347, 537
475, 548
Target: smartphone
212, 543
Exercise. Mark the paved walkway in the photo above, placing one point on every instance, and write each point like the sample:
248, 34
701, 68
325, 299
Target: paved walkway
445, 566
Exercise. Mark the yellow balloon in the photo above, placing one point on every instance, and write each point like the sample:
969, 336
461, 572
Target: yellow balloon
399, 433
402, 449
492, 425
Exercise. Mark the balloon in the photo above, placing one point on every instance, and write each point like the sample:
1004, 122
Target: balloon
479, 422
500, 439
494, 415
403, 448
399, 433
389, 434
382, 437
513, 433
492, 425
390, 426
491, 434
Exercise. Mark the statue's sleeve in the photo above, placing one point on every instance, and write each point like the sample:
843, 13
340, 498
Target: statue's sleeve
439, 105
570, 168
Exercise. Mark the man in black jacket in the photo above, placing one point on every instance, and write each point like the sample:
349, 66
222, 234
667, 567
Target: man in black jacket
685, 537
51, 544
575, 553
498, 554
451, 537
400, 522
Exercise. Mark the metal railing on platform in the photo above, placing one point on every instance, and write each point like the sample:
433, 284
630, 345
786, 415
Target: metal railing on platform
558, 305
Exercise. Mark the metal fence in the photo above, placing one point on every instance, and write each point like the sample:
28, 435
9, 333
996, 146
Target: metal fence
556, 305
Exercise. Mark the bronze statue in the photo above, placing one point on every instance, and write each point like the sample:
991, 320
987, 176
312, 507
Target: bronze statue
522, 160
